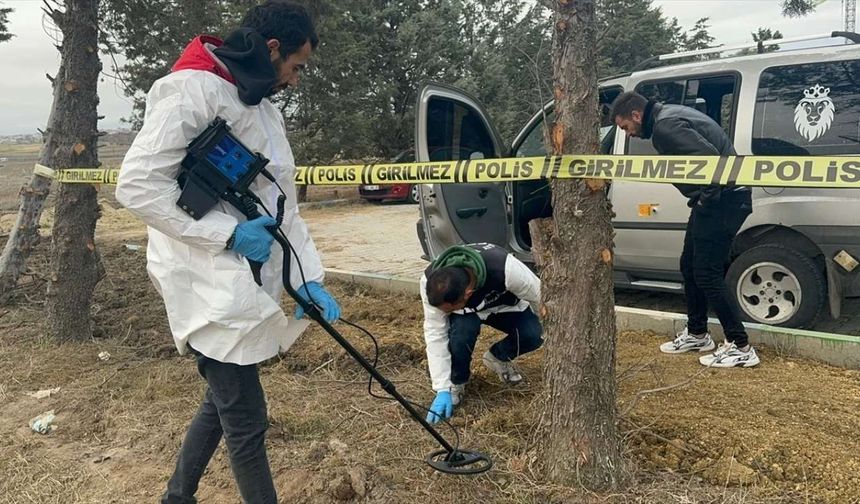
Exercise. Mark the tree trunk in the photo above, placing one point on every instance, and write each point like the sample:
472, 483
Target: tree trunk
577, 433
302, 193
75, 264
25, 234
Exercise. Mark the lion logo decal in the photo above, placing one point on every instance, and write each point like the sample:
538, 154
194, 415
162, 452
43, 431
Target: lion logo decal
813, 116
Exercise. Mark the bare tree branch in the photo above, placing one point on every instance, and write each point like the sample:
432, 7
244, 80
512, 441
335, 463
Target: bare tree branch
642, 393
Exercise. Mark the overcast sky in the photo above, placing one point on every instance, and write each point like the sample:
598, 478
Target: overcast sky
25, 93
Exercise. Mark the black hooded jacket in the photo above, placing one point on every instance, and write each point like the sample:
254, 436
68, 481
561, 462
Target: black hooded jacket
679, 130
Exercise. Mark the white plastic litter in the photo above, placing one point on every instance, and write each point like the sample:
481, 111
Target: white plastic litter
44, 393
104, 356
42, 423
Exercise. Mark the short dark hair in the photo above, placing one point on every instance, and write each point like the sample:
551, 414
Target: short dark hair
626, 103
447, 285
287, 22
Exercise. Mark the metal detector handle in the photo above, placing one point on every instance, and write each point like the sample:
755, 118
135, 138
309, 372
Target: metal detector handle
252, 213
256, 267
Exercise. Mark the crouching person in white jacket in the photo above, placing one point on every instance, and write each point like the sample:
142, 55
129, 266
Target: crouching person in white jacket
465, 287
214, 307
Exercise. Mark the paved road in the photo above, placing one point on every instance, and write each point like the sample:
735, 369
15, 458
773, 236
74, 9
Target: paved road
381, 239
368, 237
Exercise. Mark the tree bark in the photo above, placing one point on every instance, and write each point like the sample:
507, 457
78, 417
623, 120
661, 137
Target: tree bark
75, 264
25, 235
577, 433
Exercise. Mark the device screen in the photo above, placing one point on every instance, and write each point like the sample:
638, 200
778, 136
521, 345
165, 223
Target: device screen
231, 159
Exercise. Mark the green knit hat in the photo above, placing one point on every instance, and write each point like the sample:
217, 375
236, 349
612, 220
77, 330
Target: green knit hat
460, 256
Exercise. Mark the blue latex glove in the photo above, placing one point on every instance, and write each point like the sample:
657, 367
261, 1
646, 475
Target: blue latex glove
252, 240
313, 292
442, 407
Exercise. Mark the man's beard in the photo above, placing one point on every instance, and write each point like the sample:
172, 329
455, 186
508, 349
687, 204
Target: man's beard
277, 88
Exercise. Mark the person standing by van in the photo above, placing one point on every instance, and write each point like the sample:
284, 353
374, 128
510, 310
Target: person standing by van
716, 216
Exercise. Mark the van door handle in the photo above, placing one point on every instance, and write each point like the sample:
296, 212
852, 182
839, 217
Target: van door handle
465, 213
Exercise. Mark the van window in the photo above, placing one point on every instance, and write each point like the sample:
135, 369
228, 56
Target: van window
714, 96
811, 109
455, 131
533, 145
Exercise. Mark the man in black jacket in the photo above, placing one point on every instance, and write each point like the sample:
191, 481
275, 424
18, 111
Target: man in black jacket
717, 215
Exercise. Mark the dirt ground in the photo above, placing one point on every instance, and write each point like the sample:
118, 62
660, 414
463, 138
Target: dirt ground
785, 432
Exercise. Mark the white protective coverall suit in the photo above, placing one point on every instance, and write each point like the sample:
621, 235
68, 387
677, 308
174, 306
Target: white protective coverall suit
212, 301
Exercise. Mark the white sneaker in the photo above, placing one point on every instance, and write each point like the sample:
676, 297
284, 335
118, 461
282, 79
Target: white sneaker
686, 342
707, 360
457, 393
506, 370
729, 355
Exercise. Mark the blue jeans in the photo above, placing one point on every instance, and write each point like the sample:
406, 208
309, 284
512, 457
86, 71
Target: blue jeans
233, 407
523, 331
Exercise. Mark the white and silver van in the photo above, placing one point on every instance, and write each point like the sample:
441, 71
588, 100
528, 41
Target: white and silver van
795, 256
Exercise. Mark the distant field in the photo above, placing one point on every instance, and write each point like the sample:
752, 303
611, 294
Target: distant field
7, 149
18, 168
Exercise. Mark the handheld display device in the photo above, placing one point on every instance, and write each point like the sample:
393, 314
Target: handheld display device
217, 166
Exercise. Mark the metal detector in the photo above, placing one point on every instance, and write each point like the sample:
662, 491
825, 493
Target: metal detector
219, 167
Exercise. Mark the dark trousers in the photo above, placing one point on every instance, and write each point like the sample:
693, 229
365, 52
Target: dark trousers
233, 407
707, 245
523, 331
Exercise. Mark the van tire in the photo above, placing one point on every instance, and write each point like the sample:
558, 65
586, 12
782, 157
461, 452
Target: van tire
794, 271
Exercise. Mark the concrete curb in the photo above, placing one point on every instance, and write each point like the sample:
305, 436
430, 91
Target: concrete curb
388, 283
835, 349
310, 205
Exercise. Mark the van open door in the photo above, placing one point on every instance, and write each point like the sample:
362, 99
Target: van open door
451, 125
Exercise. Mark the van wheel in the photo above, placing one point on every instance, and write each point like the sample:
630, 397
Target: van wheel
776, 285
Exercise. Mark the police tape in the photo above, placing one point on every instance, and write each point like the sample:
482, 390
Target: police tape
757, 171
107, 176
813, 172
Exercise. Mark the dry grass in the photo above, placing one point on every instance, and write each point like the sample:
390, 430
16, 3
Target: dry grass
120, 422
31, 478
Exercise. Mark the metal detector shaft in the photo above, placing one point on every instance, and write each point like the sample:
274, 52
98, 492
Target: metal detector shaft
247, 204
386, 385
450, 460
